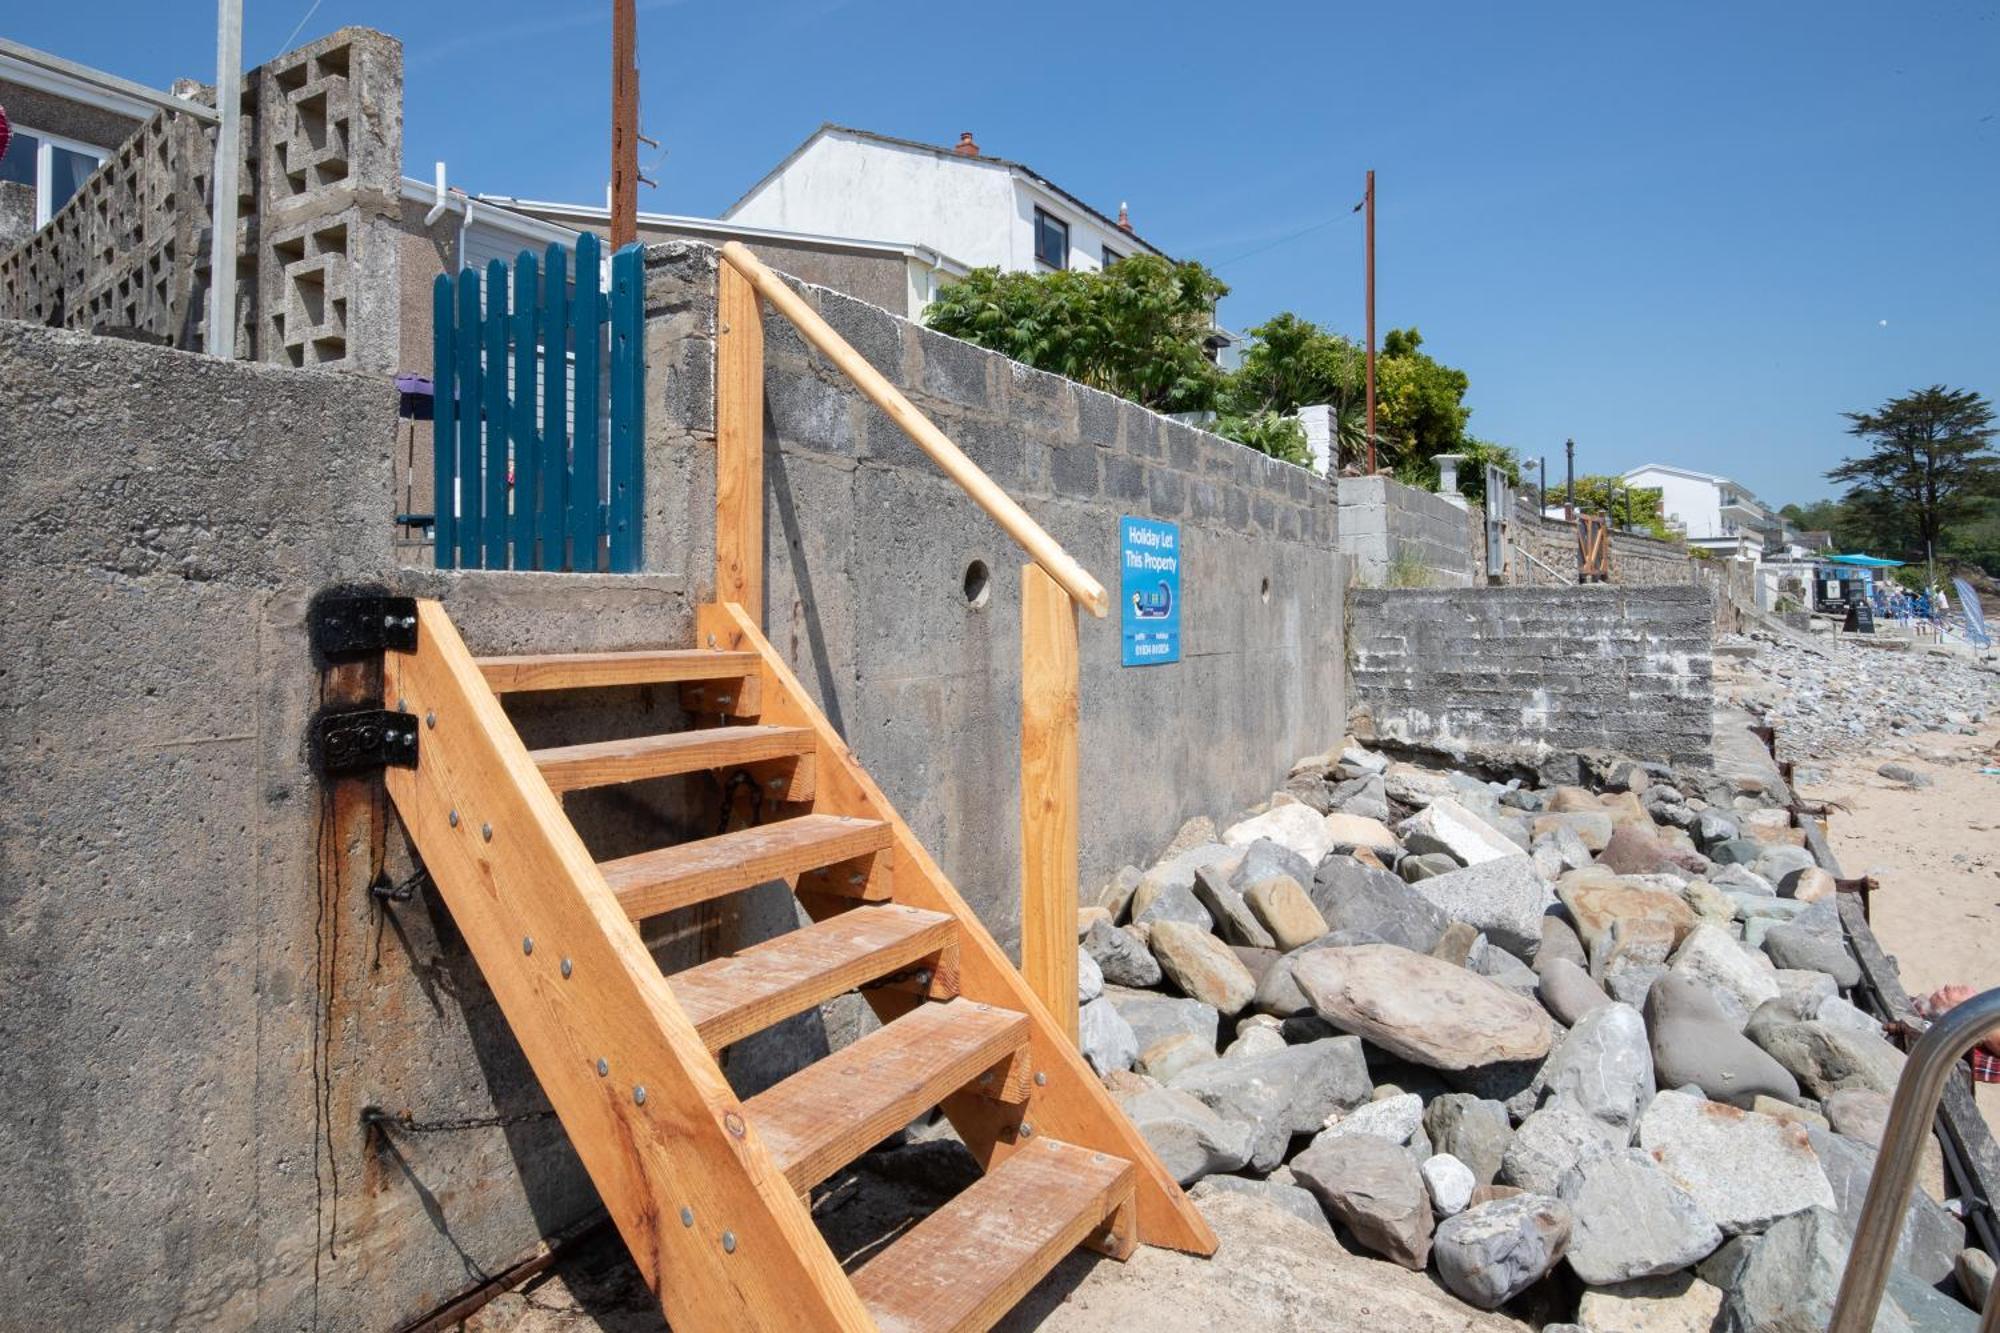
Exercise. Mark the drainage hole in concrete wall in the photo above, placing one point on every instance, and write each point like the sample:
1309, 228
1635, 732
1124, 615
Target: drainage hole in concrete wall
978, 584
1265, 591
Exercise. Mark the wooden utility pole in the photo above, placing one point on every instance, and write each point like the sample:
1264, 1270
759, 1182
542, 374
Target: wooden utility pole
624, 124
1370, 201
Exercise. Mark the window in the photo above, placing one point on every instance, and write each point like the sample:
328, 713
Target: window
55, 168
1051, 240
1111, 256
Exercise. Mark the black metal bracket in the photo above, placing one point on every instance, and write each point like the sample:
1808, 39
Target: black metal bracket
357, 624
363, 740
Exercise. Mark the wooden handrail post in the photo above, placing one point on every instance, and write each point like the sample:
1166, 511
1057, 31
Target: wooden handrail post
739, 444
1049, 670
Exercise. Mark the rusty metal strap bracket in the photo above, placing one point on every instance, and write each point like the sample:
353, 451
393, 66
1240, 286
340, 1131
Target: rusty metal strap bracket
363, 740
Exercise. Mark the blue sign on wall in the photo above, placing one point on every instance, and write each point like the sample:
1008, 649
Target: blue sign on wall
1149, 558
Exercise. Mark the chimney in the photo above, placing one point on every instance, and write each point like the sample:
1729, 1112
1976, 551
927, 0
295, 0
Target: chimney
965, 147
1124, 217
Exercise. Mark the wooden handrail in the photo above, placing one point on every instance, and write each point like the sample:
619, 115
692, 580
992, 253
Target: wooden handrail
1001, 507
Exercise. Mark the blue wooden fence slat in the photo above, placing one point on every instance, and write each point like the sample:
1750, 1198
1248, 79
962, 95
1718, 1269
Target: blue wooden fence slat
552, 489
496, 415
471, 499
628, 314
518, 488
444, 435
521, 420
586, 491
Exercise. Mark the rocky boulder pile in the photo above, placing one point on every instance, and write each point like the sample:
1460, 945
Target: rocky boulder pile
1586, 1047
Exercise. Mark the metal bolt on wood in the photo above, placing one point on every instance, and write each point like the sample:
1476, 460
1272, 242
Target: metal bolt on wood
431, 719
1041, 1078
729, 1242
1027, 1130
567, 968
687, 1217
603, 1068
452, 819
486, 832
639, 1095
527, 944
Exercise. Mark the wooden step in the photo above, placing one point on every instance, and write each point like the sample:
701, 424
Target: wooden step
826, 1115
729, 998
576, 671
603, 763
692, 872
969, 1263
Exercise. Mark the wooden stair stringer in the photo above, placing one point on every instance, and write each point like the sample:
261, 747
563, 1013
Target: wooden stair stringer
1072, 1104
532, 906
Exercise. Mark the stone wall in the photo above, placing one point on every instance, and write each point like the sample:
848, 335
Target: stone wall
897, 600
1397, 535
1511, 675
318, 201
1636, 560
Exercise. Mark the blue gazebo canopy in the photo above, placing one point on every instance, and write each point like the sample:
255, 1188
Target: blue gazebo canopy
1868, 561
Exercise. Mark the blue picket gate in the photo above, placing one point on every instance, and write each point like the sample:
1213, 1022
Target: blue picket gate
536, 465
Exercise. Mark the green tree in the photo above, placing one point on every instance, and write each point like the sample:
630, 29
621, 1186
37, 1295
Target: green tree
1929, 464
1637, 507
1138, 329
1294, 363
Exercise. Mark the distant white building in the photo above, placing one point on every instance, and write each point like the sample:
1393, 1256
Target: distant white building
1723, 517
980, 211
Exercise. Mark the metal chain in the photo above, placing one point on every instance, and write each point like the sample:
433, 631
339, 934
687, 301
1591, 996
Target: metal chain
409, 1124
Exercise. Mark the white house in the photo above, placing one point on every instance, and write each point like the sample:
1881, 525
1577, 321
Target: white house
1723, 517
980, 211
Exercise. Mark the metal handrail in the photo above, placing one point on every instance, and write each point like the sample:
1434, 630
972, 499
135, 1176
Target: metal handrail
1932, 1061
971, 478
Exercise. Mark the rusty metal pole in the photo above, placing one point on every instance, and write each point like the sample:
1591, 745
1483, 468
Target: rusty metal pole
624, 124
1569, 481
1371, 322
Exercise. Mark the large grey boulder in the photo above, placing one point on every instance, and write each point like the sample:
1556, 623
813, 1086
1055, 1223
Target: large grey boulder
1599, 902
1422, 1008
1234, 920
1202, 966
1297, 828
1560, 940
1397, 1118
1120, 957
1298, 1202
1567, 991
1778, 861
1503, 896
1190, 1140
1633, 1221
1473, 1129
1553, 1142
1741, 980
1169, 902
1447, 826
1278, 992
1353, 896
1089, 977
1931, 1236
1173, 1033
1285, 910
1604, 1067
1373, 1188
1492, 1253
1745, 1170
1695, 1042
1816, 940
1283, 1093
1826, 1058
1105, 1038
1263, 859
1496, 964
1450, 1183
1792, 1276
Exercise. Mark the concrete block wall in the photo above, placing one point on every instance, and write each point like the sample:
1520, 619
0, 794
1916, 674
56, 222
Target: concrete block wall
202, 994
1511, 675
318, 206
897, 600
1390, 531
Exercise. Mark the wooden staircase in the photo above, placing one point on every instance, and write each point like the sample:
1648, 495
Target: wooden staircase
706, 1188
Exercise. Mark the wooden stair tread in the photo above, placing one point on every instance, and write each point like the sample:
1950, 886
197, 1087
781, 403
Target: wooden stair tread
691, 872
634, 759
826, 1115
727, 999
967, 1264
574, 671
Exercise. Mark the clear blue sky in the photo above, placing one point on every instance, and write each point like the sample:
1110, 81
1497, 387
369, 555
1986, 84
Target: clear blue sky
1686, 232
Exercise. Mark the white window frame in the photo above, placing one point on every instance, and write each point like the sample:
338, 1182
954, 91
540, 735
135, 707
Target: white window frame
45, 165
